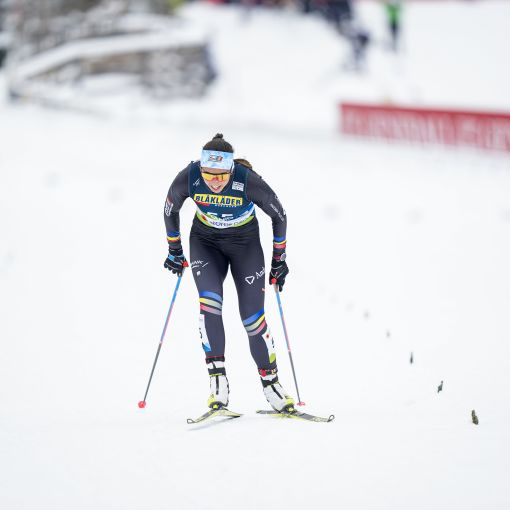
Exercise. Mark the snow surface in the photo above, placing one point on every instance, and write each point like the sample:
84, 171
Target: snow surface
393, 249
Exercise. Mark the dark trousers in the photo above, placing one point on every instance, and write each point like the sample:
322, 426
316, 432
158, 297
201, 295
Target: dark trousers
212, 252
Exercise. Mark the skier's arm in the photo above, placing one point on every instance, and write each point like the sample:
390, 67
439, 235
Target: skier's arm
177, 194
261, 194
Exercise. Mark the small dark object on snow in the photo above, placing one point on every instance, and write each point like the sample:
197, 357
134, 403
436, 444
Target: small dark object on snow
388, 334
474, 418
411, 359
440, 387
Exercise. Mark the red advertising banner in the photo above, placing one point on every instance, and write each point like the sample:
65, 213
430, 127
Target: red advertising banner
451, 127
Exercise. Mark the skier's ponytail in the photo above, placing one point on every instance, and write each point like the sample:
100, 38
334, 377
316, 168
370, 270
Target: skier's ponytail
244, 162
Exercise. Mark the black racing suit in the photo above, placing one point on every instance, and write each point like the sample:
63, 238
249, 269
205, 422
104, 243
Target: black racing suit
215, 245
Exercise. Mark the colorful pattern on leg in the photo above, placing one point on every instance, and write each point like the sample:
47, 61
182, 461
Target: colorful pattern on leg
256, 325
211, 302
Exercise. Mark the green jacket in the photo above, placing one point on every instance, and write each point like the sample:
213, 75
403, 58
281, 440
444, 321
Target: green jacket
393, 11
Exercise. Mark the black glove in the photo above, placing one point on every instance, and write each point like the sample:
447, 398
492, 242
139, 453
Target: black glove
176, 261
279, 271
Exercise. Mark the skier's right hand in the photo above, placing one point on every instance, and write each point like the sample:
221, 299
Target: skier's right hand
175, 261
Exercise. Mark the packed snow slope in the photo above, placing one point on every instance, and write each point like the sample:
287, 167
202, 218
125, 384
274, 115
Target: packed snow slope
392, 250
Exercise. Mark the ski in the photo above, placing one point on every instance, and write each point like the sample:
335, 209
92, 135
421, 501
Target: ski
294, 414
222, 411
297, 415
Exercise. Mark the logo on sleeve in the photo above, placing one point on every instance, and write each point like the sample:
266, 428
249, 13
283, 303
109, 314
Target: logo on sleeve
238, 186
277, 211
168, 207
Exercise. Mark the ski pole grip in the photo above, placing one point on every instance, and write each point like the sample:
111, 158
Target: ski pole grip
273, 281
185, 264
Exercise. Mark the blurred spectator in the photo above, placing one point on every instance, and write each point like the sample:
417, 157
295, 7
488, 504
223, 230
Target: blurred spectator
359, 38
393, 15
339, 12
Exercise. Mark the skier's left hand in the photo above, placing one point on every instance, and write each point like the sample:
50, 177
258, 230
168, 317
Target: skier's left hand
279, 271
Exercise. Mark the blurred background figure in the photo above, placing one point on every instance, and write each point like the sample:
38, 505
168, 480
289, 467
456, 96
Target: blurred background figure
342, 16
359, 39
393, 10
339, 12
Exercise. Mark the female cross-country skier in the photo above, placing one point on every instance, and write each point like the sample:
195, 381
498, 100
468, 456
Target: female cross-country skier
225, 233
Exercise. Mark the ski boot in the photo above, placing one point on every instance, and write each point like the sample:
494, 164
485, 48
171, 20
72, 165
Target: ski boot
218, 383
277, 397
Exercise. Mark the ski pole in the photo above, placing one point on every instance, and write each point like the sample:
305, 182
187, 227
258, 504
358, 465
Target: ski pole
143, 402
273, 281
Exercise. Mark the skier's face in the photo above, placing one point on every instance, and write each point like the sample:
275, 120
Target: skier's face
215, 178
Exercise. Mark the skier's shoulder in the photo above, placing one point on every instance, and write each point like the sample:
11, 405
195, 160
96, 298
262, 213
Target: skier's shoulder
185, 173
192, 166
181, 181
